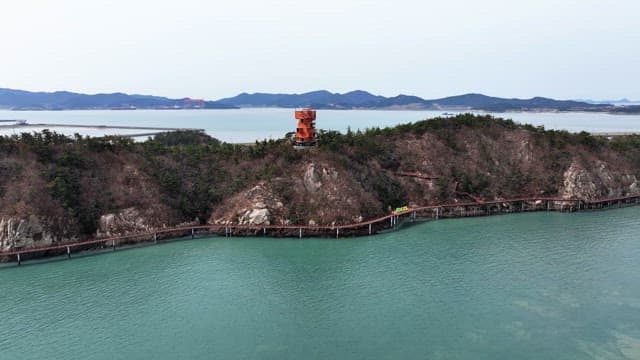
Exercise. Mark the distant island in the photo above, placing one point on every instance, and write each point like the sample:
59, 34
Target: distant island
359, 99
65, 100
321, 99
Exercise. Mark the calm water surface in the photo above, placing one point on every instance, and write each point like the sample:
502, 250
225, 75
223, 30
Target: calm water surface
526, 286
249, 125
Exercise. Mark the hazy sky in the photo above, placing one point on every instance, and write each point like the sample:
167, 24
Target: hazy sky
213, 49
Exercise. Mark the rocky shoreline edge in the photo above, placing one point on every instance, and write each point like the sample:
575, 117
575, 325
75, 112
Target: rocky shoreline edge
366, 228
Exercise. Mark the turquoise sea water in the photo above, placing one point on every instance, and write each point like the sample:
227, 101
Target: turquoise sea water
248, 125
524, 286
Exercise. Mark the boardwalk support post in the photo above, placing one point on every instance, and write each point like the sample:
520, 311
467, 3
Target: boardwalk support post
448, 210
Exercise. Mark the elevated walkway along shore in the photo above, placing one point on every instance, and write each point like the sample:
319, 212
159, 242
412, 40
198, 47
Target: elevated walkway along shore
370, 227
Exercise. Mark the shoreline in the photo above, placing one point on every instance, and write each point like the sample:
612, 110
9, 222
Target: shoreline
371, 227
392, 109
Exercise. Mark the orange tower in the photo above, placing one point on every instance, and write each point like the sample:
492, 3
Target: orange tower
306, 132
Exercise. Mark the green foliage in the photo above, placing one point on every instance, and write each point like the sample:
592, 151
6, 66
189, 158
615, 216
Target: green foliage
588, 140
371, 142
331, 141
444, 125
626, 143
560, 139
113, 144
184, 137
189, 180
368, 147
442, 184
64, 183
476, 184
516, 180
388, 191
472, 184
297, 214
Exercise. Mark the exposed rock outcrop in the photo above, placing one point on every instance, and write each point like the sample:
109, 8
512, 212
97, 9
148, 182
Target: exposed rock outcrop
24, 233
256, 217
597, 182
311, 178
316, 195
124, 222
251, 207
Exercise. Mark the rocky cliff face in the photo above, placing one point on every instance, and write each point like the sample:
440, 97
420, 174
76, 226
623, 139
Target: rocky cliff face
18, 233
314, 194
251, 207
23, 233
598, 181
124, 222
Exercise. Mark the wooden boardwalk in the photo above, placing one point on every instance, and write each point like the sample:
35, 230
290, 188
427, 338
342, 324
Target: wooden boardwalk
370, 227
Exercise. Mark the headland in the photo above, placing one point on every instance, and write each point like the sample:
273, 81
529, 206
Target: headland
56, 190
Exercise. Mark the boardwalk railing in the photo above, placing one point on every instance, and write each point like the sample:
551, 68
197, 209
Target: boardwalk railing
370, 227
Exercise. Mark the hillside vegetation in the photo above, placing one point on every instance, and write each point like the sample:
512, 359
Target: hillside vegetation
60, 188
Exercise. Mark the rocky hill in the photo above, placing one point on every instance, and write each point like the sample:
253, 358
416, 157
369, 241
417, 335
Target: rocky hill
56, 189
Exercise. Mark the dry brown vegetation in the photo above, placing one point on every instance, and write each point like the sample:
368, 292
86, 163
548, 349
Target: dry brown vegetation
187, 176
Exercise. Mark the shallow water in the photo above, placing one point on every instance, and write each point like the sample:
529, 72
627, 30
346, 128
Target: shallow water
249, 125
524, 286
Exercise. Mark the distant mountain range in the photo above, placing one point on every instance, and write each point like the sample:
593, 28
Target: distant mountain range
64, 100
624, 102
322, 99
363, 100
